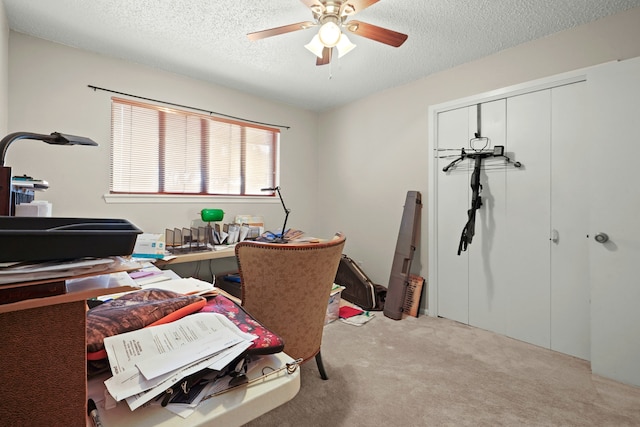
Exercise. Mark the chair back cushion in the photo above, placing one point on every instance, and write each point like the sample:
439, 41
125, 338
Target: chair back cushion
286, 287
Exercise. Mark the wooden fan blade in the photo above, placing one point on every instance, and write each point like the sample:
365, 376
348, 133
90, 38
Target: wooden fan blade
373, 32
326, 56
258, 35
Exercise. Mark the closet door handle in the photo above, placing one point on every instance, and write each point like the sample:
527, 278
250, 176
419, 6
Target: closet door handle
555, 236
601, 237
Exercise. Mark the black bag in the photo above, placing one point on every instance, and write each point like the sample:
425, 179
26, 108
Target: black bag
359, 289
189, 387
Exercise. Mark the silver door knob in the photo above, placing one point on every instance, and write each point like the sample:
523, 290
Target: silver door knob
601, 237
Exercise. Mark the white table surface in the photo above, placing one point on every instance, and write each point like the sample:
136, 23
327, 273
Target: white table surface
233, 408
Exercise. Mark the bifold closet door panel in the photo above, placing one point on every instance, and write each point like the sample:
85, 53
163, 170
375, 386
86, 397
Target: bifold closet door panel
528, 220
614, 200
570, 289
488, 278
453, 193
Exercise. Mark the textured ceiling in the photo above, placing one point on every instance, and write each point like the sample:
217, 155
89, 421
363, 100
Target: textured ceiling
206, 39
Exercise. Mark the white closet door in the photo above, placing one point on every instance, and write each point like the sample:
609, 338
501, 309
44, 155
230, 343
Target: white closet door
614, 205
488, 284
570, 303
527, 218
513, 279
452, 205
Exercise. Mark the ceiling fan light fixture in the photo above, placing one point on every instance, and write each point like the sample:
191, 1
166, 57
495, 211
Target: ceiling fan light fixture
315, 46
329, 34
331, 17
348, 9
344, 46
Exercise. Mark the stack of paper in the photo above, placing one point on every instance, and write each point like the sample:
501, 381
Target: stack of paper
151, 276
146, 362
185, 286
13, 272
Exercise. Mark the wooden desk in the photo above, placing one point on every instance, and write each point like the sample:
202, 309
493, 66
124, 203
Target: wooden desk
76, 295
234, 408
198, 256
204, 265
43, 367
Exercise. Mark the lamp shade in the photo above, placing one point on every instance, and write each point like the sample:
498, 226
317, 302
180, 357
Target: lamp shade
209, 215
315, 46
344, 45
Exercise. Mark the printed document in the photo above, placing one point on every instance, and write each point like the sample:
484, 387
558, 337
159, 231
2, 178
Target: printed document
151, 357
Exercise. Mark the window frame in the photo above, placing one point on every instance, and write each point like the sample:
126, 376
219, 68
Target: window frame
206, 121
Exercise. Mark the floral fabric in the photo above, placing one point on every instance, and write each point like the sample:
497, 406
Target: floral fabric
267, 341
133, 311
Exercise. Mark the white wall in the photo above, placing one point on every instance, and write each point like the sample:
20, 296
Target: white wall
348, 169
374, 150
4, 70
48, 92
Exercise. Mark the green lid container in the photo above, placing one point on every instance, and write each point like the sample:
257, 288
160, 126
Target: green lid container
209, 215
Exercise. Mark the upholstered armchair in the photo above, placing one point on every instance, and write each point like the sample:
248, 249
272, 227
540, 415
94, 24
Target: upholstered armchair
286, 287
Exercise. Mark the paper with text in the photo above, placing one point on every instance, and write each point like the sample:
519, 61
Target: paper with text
186, 286
217, 362
161, 352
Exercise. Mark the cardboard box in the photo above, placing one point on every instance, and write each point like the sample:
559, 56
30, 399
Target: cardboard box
149, 245
333, 308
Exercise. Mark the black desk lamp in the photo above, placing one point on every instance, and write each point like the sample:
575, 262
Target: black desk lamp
5, 171
286, 214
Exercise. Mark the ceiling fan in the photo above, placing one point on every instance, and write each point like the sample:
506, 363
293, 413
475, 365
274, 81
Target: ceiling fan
332, 18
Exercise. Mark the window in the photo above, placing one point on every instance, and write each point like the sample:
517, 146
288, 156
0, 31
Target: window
157, 150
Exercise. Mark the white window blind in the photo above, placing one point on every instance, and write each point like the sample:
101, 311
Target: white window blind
158, 150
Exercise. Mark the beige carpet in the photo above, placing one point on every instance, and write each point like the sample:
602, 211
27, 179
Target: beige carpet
436, 372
